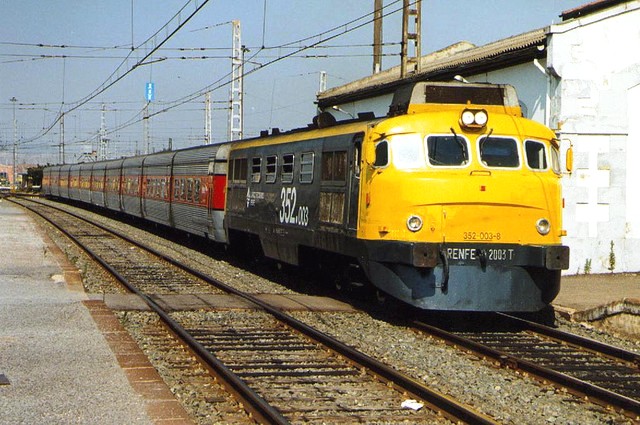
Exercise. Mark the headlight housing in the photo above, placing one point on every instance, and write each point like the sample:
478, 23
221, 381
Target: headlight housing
414, 223
474, 118
543, 226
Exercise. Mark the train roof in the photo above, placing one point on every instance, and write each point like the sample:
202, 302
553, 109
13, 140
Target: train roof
429, 92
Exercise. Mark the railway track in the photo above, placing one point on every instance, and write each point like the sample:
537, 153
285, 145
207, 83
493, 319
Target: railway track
606, 375
280, 369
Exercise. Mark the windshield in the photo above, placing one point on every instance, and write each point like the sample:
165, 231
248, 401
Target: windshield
412, 151
499, 152
449, 150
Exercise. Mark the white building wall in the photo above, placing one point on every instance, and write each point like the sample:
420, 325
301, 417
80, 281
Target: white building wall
595, 103
530, 83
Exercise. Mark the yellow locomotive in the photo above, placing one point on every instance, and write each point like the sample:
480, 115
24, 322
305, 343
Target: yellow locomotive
471, 191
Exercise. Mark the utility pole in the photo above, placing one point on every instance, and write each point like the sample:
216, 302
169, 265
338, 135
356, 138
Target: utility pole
62, 158
410, 63
208, 137
377, 37
235, 95
145, 129
102, 143
15, 143
322, 84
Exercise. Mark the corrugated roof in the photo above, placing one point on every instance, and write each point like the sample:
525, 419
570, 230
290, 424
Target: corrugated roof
460, 57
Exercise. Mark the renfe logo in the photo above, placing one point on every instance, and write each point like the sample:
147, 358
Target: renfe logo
493, 254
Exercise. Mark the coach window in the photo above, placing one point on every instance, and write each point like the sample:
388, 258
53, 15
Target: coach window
287, 168
189, 194
196, 191
447, 150
272, 168
256, 169
306, 167
382, 154
536, 155
176, 188
499, 152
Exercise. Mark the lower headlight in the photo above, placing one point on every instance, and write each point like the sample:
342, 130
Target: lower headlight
414, 223
543, 226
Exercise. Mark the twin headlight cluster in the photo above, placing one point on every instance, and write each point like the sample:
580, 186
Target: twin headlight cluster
414, 224
474, 118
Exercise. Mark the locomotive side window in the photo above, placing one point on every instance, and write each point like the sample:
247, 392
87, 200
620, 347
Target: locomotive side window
536, 155
334, 166
382, 154
499, 152
407, 151
256, 169
287, 168
272, 168
240, 170
447, 150
555, 160
306, 167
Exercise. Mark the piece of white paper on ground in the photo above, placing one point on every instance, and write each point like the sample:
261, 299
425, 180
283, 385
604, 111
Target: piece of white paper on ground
412, 404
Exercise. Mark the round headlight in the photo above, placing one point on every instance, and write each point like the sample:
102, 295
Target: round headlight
543, 226
414, 223
467, 118
481, 118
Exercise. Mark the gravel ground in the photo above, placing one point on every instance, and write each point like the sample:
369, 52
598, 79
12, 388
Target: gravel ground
504, 394
206, 401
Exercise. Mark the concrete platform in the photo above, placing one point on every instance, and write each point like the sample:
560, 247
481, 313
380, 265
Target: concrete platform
598, 296
55, 359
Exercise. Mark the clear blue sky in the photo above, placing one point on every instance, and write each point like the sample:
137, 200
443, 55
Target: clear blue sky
99, 34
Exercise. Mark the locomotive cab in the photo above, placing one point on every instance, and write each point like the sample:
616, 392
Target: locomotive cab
460, 205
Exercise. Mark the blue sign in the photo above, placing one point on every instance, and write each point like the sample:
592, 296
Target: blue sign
150, 92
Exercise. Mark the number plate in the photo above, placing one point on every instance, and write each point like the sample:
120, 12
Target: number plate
483, 236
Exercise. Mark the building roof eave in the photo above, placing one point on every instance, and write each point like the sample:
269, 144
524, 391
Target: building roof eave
508, 52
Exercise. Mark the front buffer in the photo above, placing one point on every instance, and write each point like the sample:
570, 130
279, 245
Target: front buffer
467, 277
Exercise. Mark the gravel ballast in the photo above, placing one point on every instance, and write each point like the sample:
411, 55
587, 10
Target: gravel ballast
503, 394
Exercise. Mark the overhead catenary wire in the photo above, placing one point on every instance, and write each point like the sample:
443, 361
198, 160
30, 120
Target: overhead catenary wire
220, 83
296, 47
114, 77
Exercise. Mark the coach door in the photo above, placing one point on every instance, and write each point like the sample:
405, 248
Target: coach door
354, 183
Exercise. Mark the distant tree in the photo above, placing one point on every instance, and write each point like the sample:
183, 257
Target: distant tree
34, 175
